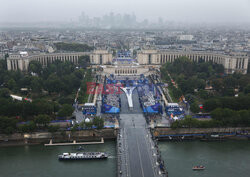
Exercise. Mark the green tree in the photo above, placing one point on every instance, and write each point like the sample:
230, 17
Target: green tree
66, 110
42, 120
36, 84
98, 122
54, 84
4, 93
76, 47
194, 107
7, 125
11, 84
211, 104
27, 128
35, 67
190, 122
53, 128
247, 89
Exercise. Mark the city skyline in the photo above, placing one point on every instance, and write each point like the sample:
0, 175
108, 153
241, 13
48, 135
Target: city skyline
191, 11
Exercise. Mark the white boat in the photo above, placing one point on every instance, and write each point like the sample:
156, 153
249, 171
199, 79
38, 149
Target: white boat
83, 156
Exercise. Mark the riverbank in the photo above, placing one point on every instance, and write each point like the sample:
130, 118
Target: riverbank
18, 139
164, 133
161, 133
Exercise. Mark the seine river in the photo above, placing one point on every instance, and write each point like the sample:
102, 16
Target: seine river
222, 159
40, 161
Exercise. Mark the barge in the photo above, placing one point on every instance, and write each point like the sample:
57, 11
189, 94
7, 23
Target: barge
83, 156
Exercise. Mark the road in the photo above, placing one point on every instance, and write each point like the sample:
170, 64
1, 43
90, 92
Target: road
137, 152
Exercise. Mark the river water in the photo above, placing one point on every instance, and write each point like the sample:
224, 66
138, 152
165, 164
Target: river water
222, 159
40, 161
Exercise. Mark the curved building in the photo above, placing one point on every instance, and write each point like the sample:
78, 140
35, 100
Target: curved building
233, 62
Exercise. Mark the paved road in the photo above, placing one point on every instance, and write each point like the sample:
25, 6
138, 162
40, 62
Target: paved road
138, 153
136, 105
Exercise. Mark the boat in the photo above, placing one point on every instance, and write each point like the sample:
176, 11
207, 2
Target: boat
83, 156
200, 167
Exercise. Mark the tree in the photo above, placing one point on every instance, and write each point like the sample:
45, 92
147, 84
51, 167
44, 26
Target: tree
36, 84
211, 104
54, 84
66, 110
194, 107
11, 84
35, 67
247, 89
203, 94
190, 122
76, 47
217, 84
27, 128
75, 127
244, 117
53, 128
86, 124
4, 93
98, 122
7, 125
42, 106
3, 65
42, 120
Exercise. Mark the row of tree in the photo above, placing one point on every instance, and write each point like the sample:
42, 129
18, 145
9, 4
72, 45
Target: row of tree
221, 118
10, 125
26, 110
235, 103
74, 47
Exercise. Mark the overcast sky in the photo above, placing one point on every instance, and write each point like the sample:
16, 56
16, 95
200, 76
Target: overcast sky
211, 11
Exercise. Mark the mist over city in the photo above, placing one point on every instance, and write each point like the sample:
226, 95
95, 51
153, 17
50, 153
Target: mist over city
123, 13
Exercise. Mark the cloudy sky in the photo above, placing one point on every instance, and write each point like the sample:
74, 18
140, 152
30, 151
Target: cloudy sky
210, 11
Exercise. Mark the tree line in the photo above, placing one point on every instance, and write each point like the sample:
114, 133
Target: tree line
73, 47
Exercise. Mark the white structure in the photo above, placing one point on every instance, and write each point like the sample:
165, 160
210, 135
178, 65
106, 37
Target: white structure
128, 91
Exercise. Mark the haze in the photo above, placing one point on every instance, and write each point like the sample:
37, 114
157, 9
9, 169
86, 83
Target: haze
192, 11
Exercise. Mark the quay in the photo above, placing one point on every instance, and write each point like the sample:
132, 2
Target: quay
73, 143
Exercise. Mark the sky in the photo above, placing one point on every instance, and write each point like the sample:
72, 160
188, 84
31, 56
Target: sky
193, 11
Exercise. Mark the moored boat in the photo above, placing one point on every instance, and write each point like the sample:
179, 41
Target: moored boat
83, 156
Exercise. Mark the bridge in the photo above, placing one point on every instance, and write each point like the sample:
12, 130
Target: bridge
138, 154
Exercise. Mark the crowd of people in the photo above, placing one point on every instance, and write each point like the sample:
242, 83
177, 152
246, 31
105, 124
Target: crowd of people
110, 119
